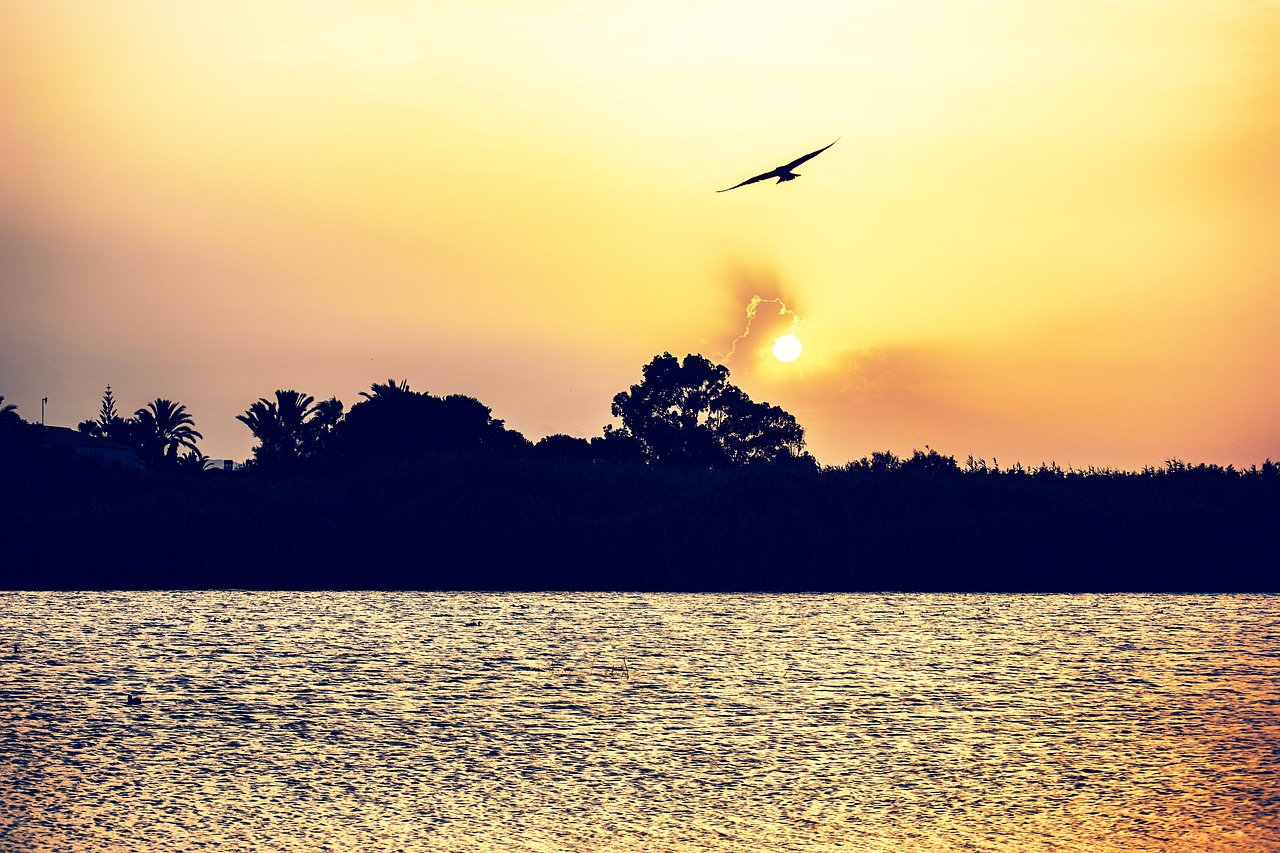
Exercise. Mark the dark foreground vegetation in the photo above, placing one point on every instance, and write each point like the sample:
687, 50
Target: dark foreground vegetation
451, 520
694, 492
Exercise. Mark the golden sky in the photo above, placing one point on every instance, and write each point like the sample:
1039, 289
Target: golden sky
1050, 229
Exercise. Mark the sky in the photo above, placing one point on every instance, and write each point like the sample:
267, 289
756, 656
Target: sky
1049, 231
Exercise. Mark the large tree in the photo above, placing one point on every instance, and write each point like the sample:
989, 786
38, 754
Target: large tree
392, 419
160, 430
291, 427
689, 413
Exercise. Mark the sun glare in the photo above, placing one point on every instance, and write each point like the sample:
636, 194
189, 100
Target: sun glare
787, 348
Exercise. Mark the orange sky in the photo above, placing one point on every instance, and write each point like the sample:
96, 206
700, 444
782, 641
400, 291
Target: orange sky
1050, 230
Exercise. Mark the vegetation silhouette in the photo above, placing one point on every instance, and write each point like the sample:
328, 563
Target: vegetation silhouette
393, 420
14, 430
291, 428
108, 424
162, 427
689, 413
157, 431
698, 489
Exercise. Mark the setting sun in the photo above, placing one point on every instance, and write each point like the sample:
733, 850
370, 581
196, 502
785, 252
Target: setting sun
787, 348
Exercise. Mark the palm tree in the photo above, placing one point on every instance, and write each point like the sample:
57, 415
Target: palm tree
323, 425
9, 419
293, 408
163, 427
263, 420
390, 390
14, 430
194, 461
288, 428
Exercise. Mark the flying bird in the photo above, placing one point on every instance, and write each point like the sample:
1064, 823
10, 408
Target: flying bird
782, 173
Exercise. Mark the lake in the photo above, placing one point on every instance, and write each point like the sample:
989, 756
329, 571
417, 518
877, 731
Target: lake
615, 722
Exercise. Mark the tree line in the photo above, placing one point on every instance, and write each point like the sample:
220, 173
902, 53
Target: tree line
683, 412
696, 487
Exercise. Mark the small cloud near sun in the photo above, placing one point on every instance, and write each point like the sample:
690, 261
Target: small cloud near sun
766, 320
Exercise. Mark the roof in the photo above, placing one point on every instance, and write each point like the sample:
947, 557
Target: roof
66, 437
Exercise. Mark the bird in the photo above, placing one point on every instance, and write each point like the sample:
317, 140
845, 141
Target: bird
133, 700
782, 173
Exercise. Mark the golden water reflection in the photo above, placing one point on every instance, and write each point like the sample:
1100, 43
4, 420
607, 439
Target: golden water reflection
538, 722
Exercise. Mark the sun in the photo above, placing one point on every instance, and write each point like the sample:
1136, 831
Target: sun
787, 348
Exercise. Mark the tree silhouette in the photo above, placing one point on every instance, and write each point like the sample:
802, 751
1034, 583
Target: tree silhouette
931, 463
616, 446
689, 413
291, 427
194, 462
563, 447
277, 425
323, 425
757, 432
160, 429
108, 424
13, 429
392, 419
391, 390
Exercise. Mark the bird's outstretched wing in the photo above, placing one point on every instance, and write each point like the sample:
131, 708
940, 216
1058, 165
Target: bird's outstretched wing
782, 172
799, 160
770, 174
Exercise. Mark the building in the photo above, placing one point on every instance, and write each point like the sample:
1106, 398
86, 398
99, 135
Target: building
64, 440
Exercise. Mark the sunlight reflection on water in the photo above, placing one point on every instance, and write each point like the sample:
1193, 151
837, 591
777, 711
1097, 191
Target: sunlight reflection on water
393, 721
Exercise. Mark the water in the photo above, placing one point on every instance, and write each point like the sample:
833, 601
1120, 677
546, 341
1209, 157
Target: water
390, 721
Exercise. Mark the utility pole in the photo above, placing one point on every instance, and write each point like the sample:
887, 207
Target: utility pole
43, 400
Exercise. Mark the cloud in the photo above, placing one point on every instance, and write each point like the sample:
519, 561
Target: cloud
757, 310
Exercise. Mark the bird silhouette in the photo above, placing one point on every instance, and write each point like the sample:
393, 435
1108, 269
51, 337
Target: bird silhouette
782, 173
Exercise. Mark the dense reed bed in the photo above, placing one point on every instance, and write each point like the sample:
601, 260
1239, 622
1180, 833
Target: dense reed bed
470, 521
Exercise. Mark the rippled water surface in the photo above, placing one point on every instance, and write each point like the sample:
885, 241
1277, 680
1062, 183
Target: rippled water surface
475, 722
